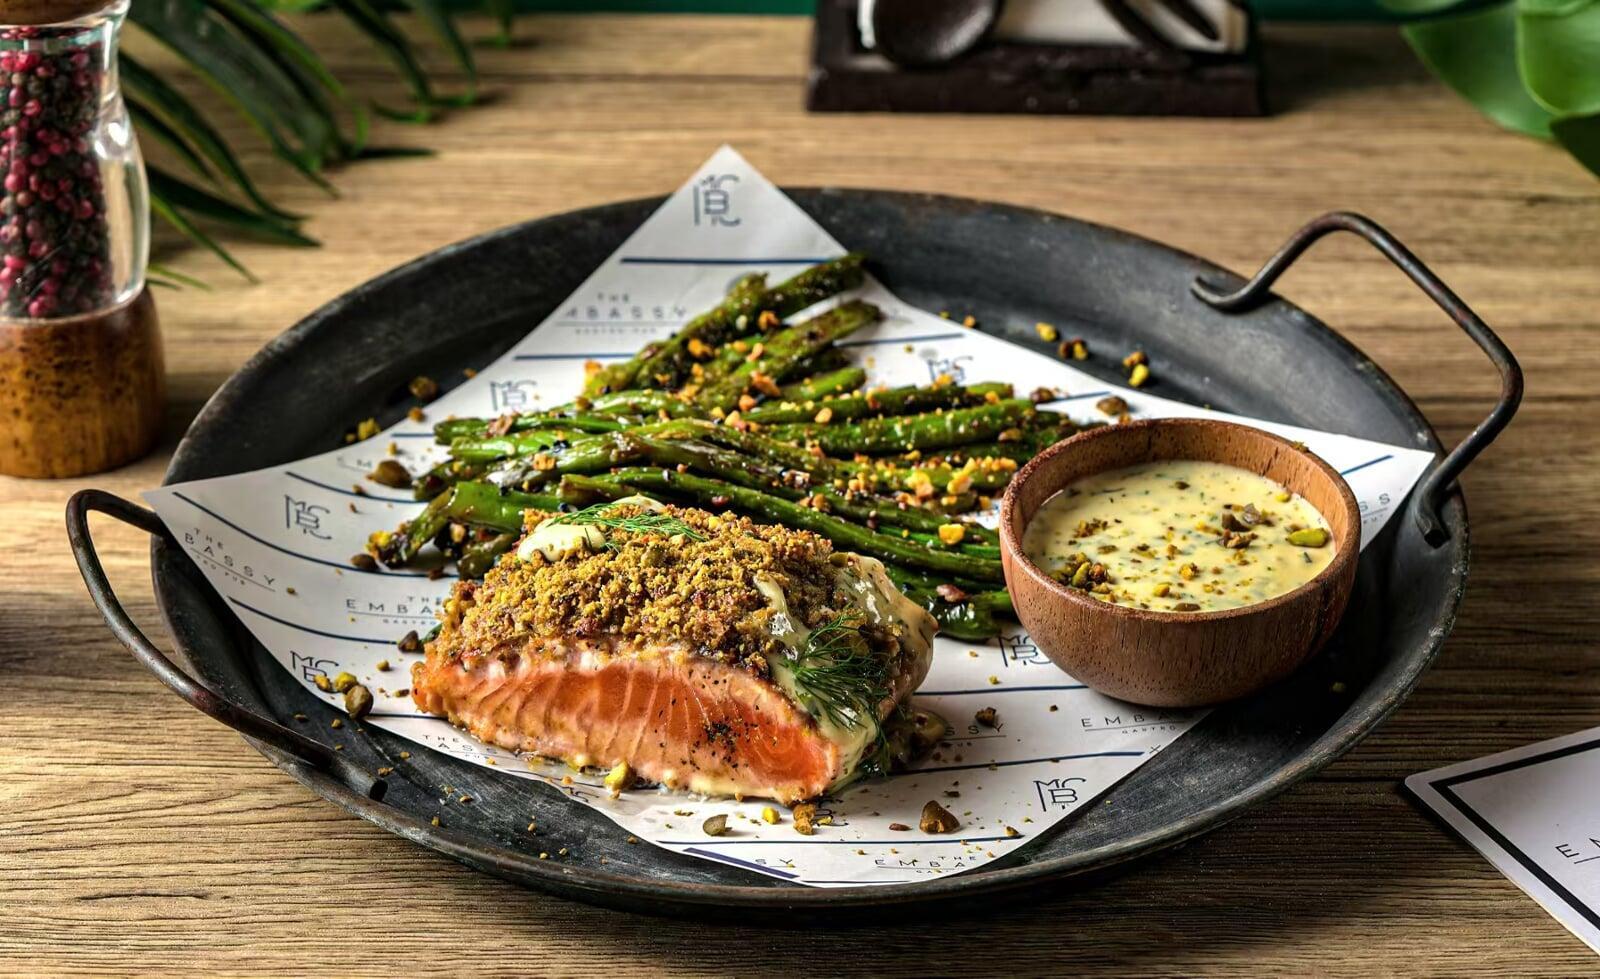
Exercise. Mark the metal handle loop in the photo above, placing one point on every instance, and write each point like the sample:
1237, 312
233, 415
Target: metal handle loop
1438, 482
202, 698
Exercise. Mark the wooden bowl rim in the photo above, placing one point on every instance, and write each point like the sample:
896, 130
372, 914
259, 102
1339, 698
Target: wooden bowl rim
1348, 543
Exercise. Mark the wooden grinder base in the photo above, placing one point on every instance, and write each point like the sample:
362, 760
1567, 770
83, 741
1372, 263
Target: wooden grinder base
80, 394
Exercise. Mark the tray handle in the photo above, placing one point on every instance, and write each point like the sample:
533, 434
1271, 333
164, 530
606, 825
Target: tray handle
1438, 482
200, 697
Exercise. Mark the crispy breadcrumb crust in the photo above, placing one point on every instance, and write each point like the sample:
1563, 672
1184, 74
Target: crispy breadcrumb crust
650, 589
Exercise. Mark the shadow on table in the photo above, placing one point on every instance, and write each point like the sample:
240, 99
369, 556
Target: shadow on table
1322, 857
1307, 63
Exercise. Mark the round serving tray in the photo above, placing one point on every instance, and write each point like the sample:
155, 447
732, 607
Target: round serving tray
463, 305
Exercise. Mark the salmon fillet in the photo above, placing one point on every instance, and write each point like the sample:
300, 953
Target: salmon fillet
686, 722
569, 659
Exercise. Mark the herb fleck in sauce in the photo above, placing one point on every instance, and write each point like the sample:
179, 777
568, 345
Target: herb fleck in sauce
1179, 536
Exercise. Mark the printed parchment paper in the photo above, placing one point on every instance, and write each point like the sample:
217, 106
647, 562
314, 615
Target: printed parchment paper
276, 543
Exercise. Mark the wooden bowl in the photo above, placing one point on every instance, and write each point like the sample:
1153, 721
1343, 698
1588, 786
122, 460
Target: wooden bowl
1179, 659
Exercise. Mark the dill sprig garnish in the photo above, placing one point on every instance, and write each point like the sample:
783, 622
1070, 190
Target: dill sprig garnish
641, 523
837, 670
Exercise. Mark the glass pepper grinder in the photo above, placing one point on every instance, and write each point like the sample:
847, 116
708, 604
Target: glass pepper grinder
80, 350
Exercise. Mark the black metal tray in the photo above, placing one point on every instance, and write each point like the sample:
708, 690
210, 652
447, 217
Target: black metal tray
1248, 352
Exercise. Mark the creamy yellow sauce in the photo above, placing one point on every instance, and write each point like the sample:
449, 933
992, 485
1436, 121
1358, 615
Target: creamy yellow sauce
1179, 536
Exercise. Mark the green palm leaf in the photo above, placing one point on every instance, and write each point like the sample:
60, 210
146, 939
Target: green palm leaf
282, 88
145, 88
243, 74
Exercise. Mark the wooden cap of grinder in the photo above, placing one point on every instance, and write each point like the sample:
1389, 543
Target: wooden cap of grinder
32, 13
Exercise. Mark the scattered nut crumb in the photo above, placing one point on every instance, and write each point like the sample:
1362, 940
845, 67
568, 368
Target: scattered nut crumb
938, 819
358, 702
423, 388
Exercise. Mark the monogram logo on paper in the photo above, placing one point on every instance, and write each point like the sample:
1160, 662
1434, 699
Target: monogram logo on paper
511, 395
310, 667
1057, 793
713, 202
304, 517
949, 367
1020, 650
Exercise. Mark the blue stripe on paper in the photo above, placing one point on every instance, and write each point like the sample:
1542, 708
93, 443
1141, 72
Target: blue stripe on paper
881, 341
996, 689
1371, 462
341, 565
315, 632
572, 356
345, 492
735, 861
1023, 761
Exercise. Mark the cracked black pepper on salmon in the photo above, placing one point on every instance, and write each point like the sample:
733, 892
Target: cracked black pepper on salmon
704, 652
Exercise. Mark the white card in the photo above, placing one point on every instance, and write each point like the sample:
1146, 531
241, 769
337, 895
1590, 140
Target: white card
276, 543
1535, 813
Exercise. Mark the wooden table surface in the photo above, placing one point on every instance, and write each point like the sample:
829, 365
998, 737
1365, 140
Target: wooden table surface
139, 836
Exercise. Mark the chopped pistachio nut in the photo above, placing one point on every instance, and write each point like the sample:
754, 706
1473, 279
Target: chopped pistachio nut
1140, 375
358, 701
938, 819
390, 473
770, 816
1046, 332
987, 717
618, 779
423, 388
343, 682
1309, 537
715, 825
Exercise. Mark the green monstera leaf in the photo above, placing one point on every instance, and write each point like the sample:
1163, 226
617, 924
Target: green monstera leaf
1530, 65
1476, 54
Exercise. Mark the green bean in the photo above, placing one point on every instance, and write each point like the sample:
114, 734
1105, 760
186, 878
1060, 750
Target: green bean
479, 556
592, 453
930, 430
598, 414
741, 306
892, 401
444, 475
783, 351
756, 473
773, 509
670, 358
972, 618
975, 548
841, 380
473, 504
489, 448
784, 453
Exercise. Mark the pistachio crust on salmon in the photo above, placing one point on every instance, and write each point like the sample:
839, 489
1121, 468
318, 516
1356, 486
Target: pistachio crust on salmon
705, 652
